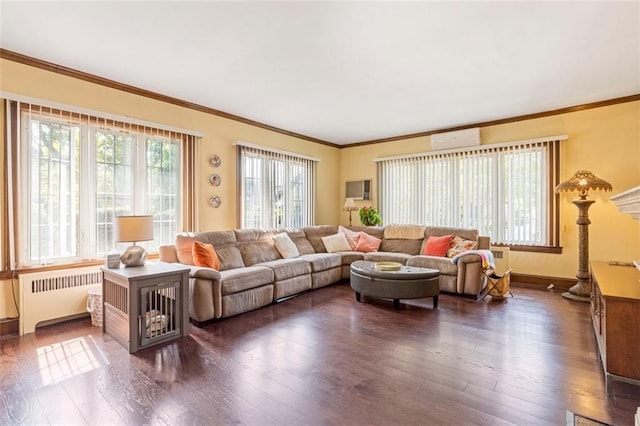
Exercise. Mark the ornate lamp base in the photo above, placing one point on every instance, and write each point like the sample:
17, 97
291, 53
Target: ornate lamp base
134, 256
581, 292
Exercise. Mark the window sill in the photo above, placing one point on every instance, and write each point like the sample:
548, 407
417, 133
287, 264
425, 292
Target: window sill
5, 275
532, 249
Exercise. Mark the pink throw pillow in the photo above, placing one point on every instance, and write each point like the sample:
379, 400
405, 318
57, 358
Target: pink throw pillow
437, 246
368, 243
352, 236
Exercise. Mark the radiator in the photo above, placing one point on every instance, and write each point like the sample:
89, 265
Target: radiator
55, 295
501, 255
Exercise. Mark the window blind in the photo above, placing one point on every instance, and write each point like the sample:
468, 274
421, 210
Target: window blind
277, 188
505, 191
72, 172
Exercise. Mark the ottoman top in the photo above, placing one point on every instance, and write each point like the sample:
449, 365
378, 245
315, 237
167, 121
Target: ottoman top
366, 268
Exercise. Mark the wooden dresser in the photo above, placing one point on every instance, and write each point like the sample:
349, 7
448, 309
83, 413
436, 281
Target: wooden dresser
615, 311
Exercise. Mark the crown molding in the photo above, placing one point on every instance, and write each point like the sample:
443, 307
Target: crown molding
91, 78
599, 104
70, 72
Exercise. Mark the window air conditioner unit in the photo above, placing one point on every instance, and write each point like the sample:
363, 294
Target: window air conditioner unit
458, 139
501, 256
359, 189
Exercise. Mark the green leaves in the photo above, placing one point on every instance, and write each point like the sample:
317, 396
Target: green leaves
369, 216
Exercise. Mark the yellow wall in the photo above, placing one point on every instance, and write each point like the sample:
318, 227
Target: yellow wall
220, 134
604, 140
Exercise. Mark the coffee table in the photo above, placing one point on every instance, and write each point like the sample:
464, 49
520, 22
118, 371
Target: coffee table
408, 282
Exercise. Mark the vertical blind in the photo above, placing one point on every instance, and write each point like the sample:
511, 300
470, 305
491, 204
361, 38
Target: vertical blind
505, 191
70, 173
277, 188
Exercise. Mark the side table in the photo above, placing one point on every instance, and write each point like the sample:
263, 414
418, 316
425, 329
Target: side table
145, 305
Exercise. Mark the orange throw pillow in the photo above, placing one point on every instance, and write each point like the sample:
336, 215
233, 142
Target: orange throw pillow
205, 255
437, 246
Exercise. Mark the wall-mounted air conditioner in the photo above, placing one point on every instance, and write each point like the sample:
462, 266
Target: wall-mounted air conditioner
457, 139
359, 189
501, 256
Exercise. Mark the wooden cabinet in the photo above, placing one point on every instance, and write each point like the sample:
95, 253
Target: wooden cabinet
146, 305
615, 311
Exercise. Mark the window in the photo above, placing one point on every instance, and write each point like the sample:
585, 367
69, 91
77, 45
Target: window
77, 172
277, 189
505, 191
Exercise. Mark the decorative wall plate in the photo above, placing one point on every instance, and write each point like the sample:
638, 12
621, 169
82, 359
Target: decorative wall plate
215, 201
215, 160
215, 179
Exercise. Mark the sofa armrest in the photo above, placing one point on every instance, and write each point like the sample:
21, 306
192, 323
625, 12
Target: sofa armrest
471, 279
205, 273
205, 293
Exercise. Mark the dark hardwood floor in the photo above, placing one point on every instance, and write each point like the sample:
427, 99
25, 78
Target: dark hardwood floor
323, 358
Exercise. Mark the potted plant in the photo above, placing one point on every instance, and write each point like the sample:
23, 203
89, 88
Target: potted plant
370, 216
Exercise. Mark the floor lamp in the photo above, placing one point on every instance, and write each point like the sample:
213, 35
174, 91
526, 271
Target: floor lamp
582, 181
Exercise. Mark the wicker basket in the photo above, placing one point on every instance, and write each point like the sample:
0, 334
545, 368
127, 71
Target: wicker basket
498, 285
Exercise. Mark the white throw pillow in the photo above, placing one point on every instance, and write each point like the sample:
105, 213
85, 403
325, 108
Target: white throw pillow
285, 245
337, 242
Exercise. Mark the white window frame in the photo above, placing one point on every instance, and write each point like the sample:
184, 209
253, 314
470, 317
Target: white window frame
267, 157
86, 215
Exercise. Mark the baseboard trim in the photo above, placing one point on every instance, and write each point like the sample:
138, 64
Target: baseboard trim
8, 328
542, 281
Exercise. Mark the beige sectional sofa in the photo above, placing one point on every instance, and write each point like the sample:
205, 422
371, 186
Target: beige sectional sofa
253, 274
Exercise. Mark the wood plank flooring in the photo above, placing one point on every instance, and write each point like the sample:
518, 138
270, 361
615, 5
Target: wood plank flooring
323, 358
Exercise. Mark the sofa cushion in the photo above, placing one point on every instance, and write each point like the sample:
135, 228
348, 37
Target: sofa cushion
240, 279
348, 257
224, 242
439, 231
205, 255
299, 238
256, 246
335, 243
444, 264
284, 269
404, 232
368, 243
459, 245
315, 233
285, 246
374, 231
437, 246
323, 261
184, 248
401, 246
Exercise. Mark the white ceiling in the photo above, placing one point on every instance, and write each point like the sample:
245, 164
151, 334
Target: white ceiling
346, 72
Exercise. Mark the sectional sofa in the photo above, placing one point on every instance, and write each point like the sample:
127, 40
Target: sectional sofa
253, 273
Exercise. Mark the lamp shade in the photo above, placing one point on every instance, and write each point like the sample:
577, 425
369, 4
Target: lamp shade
582, 181
350, 205
134, 228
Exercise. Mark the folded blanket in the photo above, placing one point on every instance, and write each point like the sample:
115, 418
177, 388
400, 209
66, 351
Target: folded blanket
485, 255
